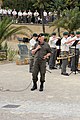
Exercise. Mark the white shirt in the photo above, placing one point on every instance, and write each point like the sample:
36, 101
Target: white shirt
45, 13
70, 38
4, 12
78, 45
32, 43
14, 13
29, 13
24, 13
1, 11
9, 11
64, 47
19, 13
52, 42
50, 13
36, 14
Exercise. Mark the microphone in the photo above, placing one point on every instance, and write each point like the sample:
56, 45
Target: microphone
38, 42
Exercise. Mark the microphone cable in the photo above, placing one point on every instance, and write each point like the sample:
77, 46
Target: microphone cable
21, 90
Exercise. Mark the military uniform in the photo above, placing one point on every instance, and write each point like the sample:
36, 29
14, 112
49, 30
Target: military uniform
64, 52
32, 44
52, 43
74, 66
40, 63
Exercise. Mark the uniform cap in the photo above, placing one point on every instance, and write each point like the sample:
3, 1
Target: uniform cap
35, 35
72, 33
65, 33
53, 33
41, 34
78, 32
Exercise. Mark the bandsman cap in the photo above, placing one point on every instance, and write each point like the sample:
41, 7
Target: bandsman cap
65, 33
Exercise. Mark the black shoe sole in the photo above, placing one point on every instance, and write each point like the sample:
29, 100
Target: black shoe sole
41, 90
32, 89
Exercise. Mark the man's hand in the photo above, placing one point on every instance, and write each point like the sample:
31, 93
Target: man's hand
47, 56
37, 48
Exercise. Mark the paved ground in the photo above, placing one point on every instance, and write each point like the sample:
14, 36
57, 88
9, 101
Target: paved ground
60, 99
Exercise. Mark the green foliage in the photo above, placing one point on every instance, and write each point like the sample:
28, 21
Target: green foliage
19, 4
42, 4
5, 47
7, 29
47, 35
11, 54
1, 47
70, 20
49, 5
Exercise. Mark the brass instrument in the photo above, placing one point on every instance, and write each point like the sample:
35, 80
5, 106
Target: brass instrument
62, 57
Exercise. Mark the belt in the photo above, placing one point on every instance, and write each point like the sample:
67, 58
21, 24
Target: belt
74, 48
53, 48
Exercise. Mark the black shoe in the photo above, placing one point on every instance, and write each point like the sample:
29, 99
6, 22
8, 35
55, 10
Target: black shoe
77, 70
41, 87
34, 87
50, 68
30, 71
66, 74
60, 67
54, 68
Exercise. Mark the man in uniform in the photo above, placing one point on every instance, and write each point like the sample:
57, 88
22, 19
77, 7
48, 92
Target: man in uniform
41, 52
52, 42
24, 16
32, 44
36, 14
20, 16
72, 34
29, 16
74, 66
64, 52
14, 14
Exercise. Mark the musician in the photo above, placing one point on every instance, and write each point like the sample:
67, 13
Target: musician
58, 45
72, 34
64, 53
52, 42
73, 67
41, 52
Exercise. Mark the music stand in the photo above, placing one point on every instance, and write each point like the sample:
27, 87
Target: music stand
58, 43
74, 44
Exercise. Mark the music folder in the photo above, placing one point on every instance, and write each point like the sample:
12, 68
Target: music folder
58, 43
75, 43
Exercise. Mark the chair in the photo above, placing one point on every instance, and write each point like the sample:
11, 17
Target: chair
23, 51
19, 39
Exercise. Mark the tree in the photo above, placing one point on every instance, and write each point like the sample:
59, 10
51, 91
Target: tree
18, 4
58, 6
61, 5
42, 4
70, 20
7, 29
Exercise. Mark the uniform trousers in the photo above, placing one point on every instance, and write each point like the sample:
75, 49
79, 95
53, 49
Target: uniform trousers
39, 66
31, 62
75, 60
64, 61
53, 57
